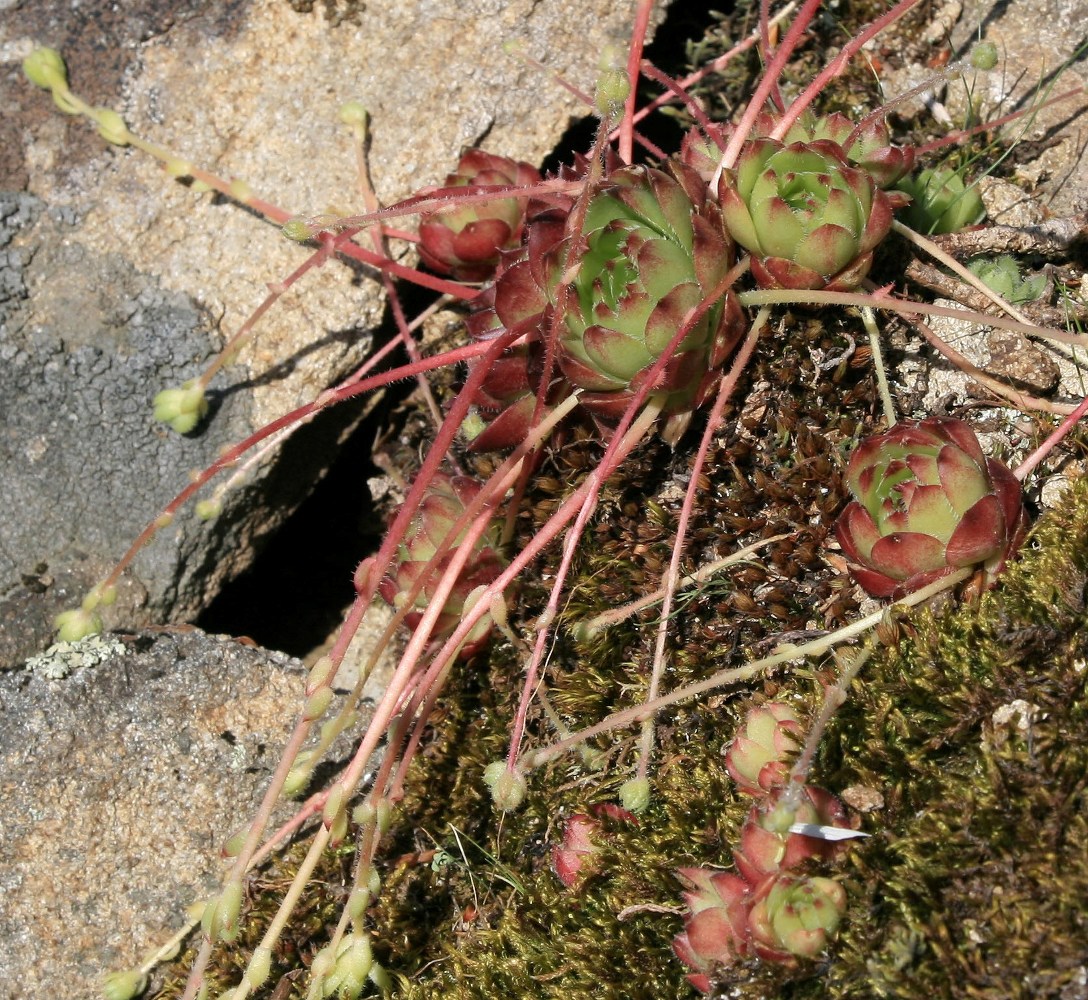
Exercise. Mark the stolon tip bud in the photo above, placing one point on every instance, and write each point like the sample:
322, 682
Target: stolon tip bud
508, 785
45, 68
124, 985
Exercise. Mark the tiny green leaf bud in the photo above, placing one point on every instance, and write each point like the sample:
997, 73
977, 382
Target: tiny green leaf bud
106, 595
383, 813
124, 985
508, 786
76, 624
635, 794
297, 230
259, 966
613, 87
317, 703
208, 510
233, 847
45, 68
984, 56
164, 520
228, 909
111, 126
200, 187
353, 113
320, 673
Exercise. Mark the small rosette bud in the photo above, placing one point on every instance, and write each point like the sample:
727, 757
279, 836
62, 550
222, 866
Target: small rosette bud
466, 240
444, 502
766, 844
573, 858
716, 926
795, 915
702, 149
940, 202
927, 502
758, 758
808, 218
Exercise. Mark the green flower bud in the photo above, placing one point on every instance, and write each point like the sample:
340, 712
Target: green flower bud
126, 984
317, 703
354, 114
207, 510
176, 167
45, 68
259, 966
182, 409
297, 230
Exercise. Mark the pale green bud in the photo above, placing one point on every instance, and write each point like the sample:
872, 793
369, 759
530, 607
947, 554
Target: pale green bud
364, 814
208, 510
111, 126
176, 167
297, 230
233, 847
320, 673
182, 408
259, 966
334, 804
358, 903
317, 703
124, 985
635, 794
383, 814
45, 68
240, 191
353, 113
508, 787
984, 56
76, 624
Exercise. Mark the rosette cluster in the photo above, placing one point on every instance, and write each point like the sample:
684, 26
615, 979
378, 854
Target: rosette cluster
769, 907
927, 502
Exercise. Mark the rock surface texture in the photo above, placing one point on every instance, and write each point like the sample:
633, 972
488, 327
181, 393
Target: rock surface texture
125, 765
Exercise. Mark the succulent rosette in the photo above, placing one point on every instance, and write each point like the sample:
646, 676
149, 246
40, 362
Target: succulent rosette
445, 500
809, 219
466, 240
766, 844
758, 758
795, 915
927, 502
652, 250
716, 926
